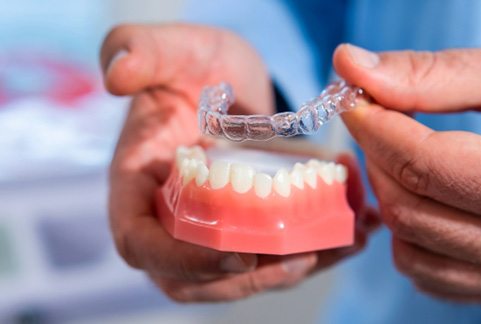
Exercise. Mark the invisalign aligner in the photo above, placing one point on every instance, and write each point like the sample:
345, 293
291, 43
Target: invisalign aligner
215, 102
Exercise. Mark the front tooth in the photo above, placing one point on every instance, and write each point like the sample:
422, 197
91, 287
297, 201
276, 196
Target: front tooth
297, 178
198, 153
241, 177
262, 184
327, 173
202, 174
310, 177
219, 174
282, 183
340, 173
189, 170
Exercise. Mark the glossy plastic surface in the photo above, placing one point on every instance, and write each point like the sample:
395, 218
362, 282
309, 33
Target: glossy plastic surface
308, 219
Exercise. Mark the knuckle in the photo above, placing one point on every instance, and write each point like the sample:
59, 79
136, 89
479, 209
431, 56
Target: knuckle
421, 66
413, 176
397, 218
252, 286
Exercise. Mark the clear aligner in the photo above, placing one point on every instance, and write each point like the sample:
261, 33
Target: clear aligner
216, 100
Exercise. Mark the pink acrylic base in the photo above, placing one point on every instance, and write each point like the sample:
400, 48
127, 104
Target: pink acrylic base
309, 219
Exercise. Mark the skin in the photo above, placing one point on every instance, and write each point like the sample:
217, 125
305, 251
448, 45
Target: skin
164, 74
427, 182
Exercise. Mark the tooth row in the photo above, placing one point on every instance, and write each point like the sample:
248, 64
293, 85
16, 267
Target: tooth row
191, 163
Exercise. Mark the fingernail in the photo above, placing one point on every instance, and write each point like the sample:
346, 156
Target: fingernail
238, 262
362, 57
297, 265
120, 54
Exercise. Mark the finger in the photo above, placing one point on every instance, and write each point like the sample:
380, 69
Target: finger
143, 243
438, 292
448, 275
414, 81
277, 272
423, 161
424, 222
139, 57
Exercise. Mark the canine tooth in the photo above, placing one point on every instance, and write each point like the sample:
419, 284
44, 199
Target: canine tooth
262, 184
202, 174
198, 153
341, 172
310, 177
219, 174
189, 170
327, 173
282, 183
241, 177
297, 178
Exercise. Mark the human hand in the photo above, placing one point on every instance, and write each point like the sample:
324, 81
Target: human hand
165, 68
428, 183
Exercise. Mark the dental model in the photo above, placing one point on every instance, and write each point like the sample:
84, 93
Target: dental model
215, 102
256, 201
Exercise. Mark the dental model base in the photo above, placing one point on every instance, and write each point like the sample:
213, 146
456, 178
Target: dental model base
256, 201
216, 100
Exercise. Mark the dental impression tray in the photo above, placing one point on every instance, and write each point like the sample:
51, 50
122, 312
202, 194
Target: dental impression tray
260, 197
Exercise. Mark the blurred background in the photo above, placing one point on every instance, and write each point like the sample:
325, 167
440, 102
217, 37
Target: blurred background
58, 129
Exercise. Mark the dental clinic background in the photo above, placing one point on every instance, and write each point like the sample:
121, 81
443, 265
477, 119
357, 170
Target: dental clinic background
58, 129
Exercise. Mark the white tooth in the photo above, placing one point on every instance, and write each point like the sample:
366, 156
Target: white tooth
314, 163
197, 152
282, 183
202, 174
181, 154
341, 173
297, 178
327, 173
189, 170
262, 184
299, 167
310, 177
241, 177
219, 174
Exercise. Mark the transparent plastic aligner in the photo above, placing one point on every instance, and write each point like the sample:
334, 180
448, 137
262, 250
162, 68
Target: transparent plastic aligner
215, 102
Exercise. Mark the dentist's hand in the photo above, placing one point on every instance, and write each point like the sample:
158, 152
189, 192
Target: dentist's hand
428, 183
164, 68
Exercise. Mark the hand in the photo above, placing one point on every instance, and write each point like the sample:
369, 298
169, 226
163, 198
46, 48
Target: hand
428, 183
164, 68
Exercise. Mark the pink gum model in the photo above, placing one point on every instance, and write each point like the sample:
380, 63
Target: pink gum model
234, 207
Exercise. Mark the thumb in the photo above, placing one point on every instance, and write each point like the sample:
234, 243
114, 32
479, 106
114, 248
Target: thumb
443, 81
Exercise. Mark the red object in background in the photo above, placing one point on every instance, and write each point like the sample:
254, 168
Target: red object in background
41, 76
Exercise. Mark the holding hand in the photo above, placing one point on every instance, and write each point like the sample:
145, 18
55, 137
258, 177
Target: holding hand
428, 183
165, 68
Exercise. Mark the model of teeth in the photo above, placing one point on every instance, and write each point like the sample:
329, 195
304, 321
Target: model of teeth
192, 167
